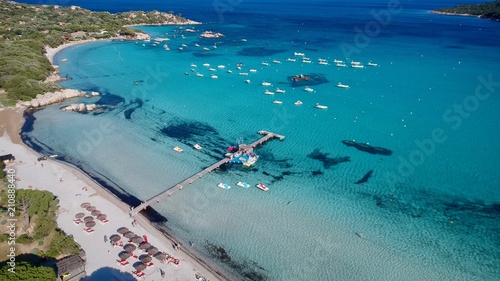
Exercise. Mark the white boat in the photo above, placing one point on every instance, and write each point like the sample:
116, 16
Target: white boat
277, 102
267, 92
340, 85
243, 73
181, 49
243, 40
306, 61
247, 81
53, 156
215, 46
298, 103
224, 186
199, 74
265, 63
337, 61
64, 60
372, 64
323, 63
230, 71
197, 147
355, 62
193, 65
278, 90
291, 60
357, 66
206, 49
321, 106
166, 47
221, 66
307, 89
211, 69
184, 45
178, 149
238, 67
213, 76
206, 64
341, 65
266, 84
277, 61
298, 54
243, 184
261, 186
253, 70
196, 44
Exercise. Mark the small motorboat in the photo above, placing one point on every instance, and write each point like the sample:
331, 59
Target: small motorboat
53, 156
277, 102
186, 73
232, 148
230, 71
372, 64
199, 74
64, 60
213, 76
306, 61
307, 89
340, 64
321, 106
243, 40
323, 63
278, 90
243, 73
357, 66
298, 103
261, 186
266, 84
355, 62
206, 64
253, 70
211, 69
298, 54
178, 149
196, 44
206, 49
265, 63
337, 61
291, 60
224, 186
193, 65
197, 147
267, 92
221, 66
340, 85
136, 83
276, 61
243, 184
247, 81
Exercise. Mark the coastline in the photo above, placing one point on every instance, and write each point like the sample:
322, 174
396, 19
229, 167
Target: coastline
11, 123
464, 15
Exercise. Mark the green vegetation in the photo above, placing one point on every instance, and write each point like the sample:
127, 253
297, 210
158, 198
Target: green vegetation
26, 271
25, 30
490, 10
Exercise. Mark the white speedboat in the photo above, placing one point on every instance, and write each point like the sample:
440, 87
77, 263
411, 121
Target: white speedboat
199, 74
264, 63
261, 186
323, 63
243, 73
357, 66
206, 64
306, 61
276, 61
196, 44
243, 184
321, 106
211, 69
247, 81
298, 54
307, 89
340, 64
337, 61
64, 60
184, 45
213, 76
298, 103
230, 71
266, 84
340, 85
224, 186
197, 147
278, 90
193, 65
166, 47
253, 70
267, 92
206, 49
243, 40
178, 149
291, 60
372, 64
181, 49
277, 102
355, 62
221, 66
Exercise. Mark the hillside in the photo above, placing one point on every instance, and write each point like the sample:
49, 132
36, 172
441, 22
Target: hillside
490, 10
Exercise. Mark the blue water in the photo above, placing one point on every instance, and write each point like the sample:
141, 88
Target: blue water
429, 211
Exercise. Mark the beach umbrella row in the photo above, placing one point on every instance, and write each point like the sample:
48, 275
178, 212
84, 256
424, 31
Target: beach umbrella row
144, 245
101, 216
152, 250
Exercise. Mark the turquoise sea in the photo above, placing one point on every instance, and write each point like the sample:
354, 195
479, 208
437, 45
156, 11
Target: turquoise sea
428, 211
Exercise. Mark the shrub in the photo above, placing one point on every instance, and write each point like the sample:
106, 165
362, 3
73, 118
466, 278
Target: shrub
24, 239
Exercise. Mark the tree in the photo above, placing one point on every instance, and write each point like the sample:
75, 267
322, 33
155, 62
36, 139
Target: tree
26, 271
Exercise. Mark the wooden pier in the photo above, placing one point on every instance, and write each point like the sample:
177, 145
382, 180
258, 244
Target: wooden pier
171, 190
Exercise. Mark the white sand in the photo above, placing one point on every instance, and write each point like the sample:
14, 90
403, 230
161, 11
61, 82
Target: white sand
51, 52
71, 195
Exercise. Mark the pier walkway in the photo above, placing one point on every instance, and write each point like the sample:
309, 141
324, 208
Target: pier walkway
171, 190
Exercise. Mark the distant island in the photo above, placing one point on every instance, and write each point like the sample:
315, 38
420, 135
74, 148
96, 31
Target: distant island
26, 30
489, 10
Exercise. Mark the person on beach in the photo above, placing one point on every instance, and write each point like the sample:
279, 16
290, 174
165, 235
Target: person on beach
105, 239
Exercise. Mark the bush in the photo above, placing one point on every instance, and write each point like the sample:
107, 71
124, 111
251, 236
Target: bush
24, 239
35, 251
40, 242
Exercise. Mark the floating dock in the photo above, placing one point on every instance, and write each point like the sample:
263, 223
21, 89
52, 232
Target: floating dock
171, 190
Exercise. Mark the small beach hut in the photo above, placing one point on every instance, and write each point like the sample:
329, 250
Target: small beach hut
122, 230
129, 248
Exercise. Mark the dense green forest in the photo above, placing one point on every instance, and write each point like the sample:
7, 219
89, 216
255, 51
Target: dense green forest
490, 10
25, 30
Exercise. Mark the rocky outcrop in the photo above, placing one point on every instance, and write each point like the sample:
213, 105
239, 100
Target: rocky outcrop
80, 107
55, 97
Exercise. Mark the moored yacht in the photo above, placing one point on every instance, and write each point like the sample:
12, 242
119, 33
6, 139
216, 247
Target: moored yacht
337, 61
278, 90
340, 85
355, 62
213, 76
253, 70
323, 63
196, 44
193, 65
224, 186
221, 66
206, 64
277, 102
267, 92
321, 106
357, 66
247, 81
206, 49
229, 71
277, 61
298, 103
243, 73
298, 54
243, 184
199, 74
197, 147
307, 89
340, 64
372, 64
265, 63
266, 84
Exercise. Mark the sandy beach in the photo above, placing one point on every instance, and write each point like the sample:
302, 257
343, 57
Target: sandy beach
73, 188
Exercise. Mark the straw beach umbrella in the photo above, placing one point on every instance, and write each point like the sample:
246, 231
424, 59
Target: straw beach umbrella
144, 245
160, 256
145, 258
95, 213
88, 218
139, 266
129, 248
136, 239
152, 250
115, 237
124, 255
101, 216
129, 234
79, 215
122, 230
90, 224
85, 205
90, 208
